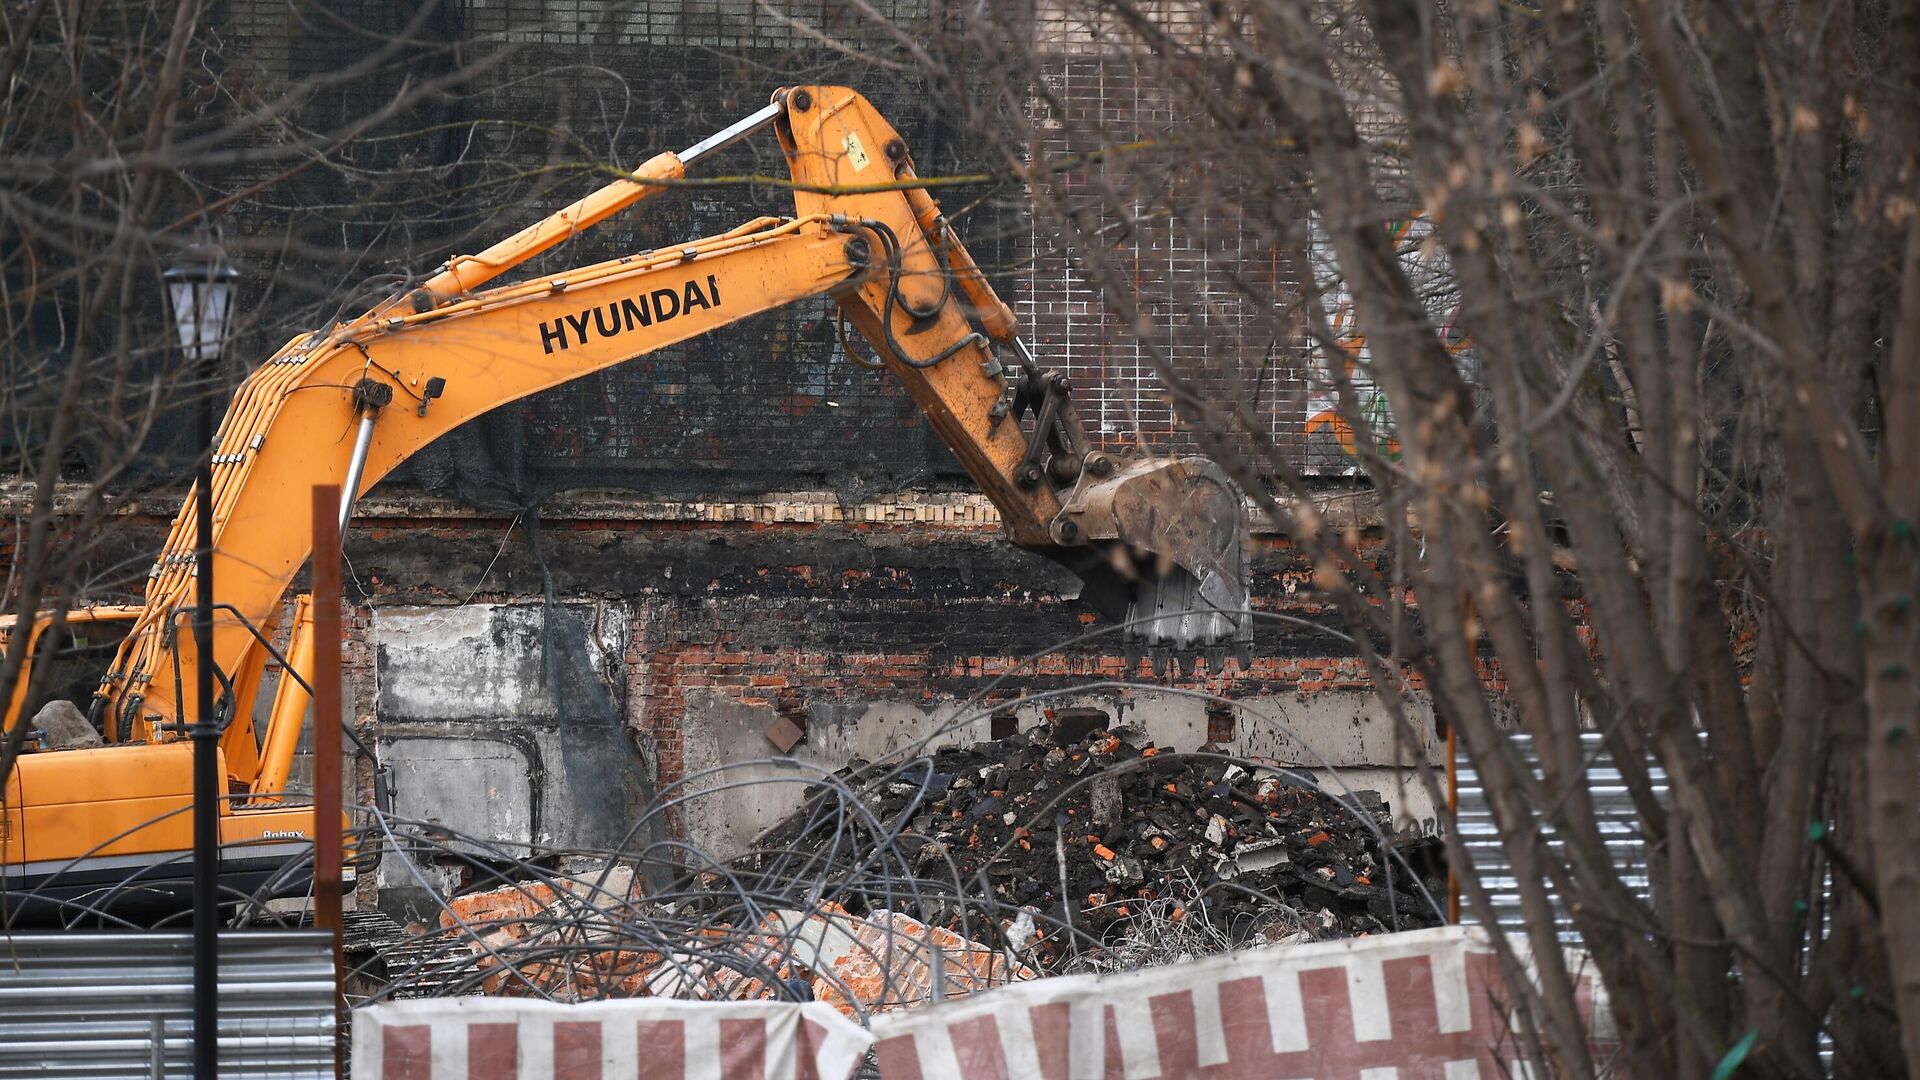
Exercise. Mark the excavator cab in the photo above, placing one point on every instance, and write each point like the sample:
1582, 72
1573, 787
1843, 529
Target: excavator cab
64, 663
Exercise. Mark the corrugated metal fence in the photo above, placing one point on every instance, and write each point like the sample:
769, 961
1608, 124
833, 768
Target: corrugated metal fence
1613, 808
120, 1005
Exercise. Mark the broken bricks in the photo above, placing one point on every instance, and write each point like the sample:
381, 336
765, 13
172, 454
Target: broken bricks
1130, 820
1019, 857
859, 965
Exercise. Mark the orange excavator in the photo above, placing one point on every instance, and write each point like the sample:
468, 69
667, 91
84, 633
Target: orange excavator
99, 816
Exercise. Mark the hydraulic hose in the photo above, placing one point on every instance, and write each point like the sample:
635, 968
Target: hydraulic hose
890, 241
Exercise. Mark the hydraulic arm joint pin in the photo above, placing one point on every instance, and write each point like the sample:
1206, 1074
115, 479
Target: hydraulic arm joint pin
1027, 363
369, 397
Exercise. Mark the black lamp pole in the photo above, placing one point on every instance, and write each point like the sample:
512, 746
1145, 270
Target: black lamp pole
200, 289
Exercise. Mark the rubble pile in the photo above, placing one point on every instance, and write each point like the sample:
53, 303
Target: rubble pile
1051, 851
528, 939
1125, 823
887, 961
566, 943
859, 965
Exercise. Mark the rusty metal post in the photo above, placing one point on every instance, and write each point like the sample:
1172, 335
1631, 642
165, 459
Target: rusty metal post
325, 679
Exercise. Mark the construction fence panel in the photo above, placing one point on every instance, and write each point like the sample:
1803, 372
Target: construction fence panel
120, 1005
1614, 812
1426, 1003
480, 1038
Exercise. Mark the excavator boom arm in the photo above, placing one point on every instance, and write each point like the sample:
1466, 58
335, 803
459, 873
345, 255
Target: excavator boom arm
295, 420
351, 404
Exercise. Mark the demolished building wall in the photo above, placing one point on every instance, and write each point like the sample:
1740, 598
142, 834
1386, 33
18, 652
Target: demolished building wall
682, 635
867, 637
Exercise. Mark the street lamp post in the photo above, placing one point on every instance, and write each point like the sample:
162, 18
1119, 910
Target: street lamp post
200, 288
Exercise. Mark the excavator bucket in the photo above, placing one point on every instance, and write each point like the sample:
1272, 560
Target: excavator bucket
1162, 545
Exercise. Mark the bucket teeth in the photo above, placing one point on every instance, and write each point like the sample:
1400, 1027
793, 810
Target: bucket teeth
1164, 541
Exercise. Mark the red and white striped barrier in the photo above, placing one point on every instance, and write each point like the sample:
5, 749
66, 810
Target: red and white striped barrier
1411, 1006
480, 1038
1423, 1005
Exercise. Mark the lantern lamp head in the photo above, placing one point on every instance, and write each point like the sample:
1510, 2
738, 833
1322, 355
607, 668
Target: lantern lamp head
200, 290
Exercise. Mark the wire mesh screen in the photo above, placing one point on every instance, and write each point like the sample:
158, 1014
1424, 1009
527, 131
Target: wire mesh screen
533, 103
561, 95
1191, 246
1167, 231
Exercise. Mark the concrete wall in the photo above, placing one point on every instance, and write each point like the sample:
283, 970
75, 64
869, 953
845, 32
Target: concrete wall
1342, 736
696, 627
504, 726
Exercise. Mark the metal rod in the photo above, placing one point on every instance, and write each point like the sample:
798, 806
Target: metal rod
327, 504
157, 1043
287, 667
464, 273
1453, 809
1027, 363
732, 133
291, 700
357, 465
205, 733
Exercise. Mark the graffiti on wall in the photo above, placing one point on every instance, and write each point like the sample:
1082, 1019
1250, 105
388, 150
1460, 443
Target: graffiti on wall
1332, 434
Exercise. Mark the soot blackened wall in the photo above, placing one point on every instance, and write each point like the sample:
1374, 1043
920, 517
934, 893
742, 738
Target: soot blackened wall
873, 629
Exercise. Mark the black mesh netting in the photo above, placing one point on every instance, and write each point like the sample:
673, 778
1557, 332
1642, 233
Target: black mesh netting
570, 88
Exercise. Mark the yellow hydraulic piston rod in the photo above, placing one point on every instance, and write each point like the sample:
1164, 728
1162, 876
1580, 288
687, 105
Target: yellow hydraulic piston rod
290, 704
464, 273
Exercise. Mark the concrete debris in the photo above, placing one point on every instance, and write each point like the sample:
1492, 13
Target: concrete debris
1105, 800
1253, 857
859, 965
1020, 857
1123, 870
1216, 831
1022, 932
895, 961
